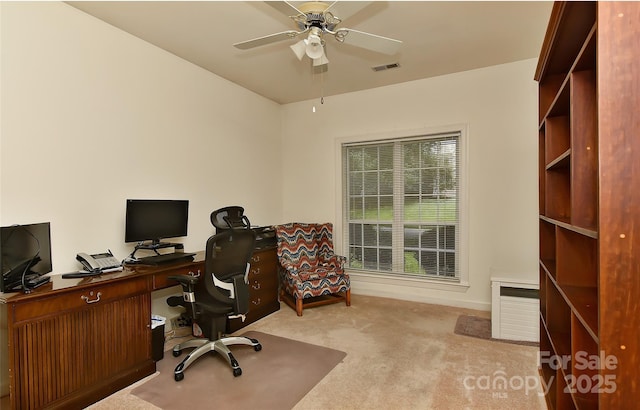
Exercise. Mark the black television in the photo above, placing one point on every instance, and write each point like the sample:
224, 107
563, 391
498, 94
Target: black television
152, 220
25, 256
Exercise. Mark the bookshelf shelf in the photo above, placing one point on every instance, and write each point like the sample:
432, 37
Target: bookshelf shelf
563, 161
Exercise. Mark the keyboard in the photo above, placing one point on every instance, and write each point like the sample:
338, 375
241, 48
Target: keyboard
31, 281
80, 274
37, 281
165, 258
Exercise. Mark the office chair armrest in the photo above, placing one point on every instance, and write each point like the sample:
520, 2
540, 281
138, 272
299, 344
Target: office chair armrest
187, 281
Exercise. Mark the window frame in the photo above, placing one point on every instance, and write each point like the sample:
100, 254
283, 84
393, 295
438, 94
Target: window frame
340, 234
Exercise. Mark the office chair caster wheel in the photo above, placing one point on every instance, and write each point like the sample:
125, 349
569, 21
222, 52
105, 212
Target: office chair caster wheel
178, 376
257, 347
177, 353
237, 372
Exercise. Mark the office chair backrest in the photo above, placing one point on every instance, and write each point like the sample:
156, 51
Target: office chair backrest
230, 217
226, 255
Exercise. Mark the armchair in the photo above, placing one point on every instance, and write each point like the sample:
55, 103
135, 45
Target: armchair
221, 292
311, 273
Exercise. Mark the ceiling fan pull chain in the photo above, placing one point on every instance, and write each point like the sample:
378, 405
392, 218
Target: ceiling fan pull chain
321, 88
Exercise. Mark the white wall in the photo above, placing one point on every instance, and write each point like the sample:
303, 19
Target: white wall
498, 105
91, 116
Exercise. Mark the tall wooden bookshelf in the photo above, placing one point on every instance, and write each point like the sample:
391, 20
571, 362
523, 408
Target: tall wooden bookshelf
589, 201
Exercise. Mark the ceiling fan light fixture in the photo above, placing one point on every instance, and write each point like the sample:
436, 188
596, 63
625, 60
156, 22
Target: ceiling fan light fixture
299, 49
322, 60
315, 21
314, 47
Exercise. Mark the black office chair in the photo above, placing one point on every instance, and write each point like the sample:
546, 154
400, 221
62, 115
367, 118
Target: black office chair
221, 293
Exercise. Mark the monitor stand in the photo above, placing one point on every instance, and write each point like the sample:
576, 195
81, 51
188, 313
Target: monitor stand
178, 248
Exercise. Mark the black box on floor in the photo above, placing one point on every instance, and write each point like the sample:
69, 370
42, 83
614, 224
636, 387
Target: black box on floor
157, 343
157, 337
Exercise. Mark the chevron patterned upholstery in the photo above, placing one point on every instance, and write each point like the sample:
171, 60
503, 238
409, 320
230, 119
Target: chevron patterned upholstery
311, 273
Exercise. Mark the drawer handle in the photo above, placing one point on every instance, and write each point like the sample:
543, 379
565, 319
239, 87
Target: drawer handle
256, 302
255, 271
89, 301
195, 275
256, 286
256, 258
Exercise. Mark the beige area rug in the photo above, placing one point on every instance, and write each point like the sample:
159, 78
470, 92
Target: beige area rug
480, 327
277, 377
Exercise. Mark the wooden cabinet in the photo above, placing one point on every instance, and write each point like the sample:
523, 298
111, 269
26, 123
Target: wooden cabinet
73, 342
589, 203
70, 348
263, 288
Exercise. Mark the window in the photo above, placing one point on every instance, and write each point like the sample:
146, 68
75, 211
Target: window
401, 206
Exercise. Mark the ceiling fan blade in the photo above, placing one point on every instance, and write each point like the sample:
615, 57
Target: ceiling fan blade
285, 8
345, 9
369, 41
271, 38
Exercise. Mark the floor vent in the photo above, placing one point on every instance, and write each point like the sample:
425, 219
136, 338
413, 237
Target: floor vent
515, 310
385, 67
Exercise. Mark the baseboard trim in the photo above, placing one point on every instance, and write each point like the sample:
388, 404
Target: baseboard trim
360, 286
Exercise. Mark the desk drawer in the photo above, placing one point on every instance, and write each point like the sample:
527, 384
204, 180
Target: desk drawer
263, 279
59, 302
263, 288
263, 263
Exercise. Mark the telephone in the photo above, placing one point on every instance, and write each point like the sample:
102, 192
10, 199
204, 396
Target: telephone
100, 262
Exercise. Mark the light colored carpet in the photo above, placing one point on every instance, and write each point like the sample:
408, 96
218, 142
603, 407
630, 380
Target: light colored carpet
400, 355
275, 378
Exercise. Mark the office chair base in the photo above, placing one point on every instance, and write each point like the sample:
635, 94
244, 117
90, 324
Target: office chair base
203, 346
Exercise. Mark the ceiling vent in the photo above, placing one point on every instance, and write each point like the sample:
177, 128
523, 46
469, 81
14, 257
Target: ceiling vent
385, 67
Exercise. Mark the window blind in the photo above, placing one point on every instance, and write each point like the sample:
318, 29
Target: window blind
401, 208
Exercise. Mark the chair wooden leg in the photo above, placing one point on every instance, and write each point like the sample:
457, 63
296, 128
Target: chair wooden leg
299, 307
347, 295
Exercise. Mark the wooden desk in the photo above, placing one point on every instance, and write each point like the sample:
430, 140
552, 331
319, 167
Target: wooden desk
73, 342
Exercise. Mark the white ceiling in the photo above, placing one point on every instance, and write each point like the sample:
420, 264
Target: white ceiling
438, 38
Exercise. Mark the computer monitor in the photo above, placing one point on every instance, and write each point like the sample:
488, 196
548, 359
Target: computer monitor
155, 219
25, 254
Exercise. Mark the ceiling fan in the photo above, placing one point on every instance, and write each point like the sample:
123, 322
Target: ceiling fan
316, 20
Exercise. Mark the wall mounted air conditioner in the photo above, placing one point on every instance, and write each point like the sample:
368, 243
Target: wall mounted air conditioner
515, 307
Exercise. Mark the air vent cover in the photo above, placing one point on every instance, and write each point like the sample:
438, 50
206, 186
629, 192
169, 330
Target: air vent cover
385, 67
